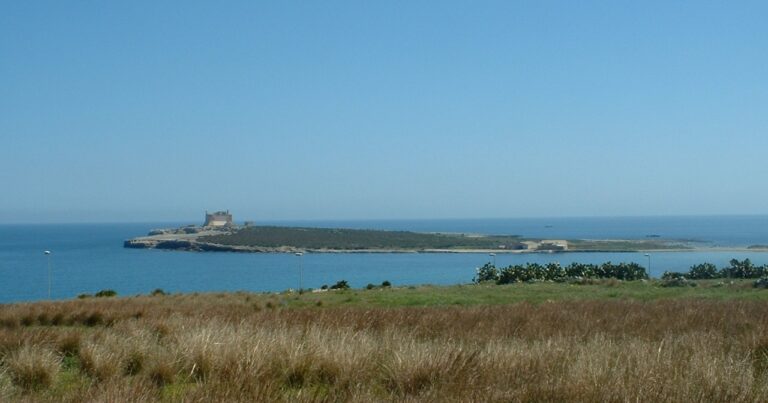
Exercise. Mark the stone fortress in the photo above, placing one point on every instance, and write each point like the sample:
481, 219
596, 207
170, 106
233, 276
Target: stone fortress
218, 219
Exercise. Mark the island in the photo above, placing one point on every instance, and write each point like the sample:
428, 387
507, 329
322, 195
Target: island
220, 234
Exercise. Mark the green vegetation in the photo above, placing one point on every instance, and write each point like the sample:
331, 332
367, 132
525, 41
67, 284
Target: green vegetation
579, 272
100, 294
340, 285
554, 272
291, 239
158, 291
536, 293
584, 245
354, 239
737, 269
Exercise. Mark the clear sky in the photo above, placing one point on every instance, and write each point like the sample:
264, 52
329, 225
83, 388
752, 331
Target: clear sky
159, 110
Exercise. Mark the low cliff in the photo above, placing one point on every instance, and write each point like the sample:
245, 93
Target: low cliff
192, 245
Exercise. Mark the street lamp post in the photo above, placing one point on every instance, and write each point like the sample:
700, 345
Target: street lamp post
493, 256
648, 255
301, 271
48, 255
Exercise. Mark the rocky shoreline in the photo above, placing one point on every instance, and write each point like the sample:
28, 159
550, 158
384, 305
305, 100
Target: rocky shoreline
185, 245
190, 245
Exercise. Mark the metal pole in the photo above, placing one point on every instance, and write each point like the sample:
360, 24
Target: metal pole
301, 270
48, 255
301, 273
648, 255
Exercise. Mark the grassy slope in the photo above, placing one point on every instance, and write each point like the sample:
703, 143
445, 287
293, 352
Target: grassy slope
610, 341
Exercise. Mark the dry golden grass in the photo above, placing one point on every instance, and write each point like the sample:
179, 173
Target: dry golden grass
232, 347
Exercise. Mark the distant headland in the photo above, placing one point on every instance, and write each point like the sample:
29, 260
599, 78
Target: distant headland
219, 233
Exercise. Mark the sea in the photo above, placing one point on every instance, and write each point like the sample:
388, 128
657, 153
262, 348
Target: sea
87, 258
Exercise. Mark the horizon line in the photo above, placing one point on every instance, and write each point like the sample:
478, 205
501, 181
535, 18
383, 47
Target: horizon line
276, 220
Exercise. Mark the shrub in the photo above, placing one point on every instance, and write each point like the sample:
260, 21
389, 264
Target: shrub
58, 319
761, 283
370, 286
106, 293
622, 271
27, 320
553, 272
673, 275
486, 273
518, 273
744, 269
581, 281
580, 270
161, 373
703, 271
32, 367
340, 285
69, 345
532, 272
678, 282
94, 319
9, 323
43, 319
158, 291
386, 283
737, 269
99, 361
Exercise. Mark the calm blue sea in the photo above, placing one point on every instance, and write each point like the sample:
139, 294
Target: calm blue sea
89, 257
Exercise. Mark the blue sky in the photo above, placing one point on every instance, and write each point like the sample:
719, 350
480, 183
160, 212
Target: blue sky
145, 111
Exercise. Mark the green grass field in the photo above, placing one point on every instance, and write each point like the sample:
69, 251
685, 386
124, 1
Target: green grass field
491, 294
